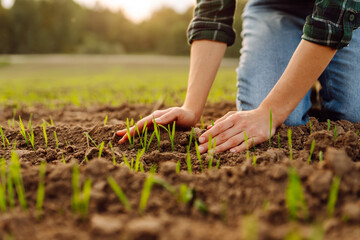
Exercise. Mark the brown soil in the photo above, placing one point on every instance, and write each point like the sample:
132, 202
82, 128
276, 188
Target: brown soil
231, 194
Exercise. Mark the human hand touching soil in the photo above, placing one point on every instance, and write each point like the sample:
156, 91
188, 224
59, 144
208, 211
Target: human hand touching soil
229, 130
184, 118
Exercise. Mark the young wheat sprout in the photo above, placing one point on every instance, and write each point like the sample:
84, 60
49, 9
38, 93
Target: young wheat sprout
290, 144
333, 196
41, 189
88, 136
112, 153
106, 119
56, 140
101, 147
149, 182
119, 193
310, 126
198, 156
188, 161
2, 185
157, 132
312, 148
45, 135
247, 146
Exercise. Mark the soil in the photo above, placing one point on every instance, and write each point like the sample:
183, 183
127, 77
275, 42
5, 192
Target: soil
241, 201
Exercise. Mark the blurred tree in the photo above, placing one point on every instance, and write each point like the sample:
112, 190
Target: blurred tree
5, 30
63, 26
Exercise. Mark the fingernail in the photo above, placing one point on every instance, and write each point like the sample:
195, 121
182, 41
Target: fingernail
201, 140
232, 150
212, 151
157, 120
201, 149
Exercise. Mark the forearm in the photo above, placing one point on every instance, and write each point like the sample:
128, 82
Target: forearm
205, 60
304, 68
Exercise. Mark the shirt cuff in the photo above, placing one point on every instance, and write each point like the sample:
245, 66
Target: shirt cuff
211, 31
324, 32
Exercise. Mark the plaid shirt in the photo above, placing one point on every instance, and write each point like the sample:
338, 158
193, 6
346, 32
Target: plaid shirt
331, 23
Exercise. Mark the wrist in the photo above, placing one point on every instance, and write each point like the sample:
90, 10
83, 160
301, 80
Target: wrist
194, 109
279, 114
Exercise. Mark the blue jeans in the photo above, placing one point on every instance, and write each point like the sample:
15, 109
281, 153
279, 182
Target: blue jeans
272, 30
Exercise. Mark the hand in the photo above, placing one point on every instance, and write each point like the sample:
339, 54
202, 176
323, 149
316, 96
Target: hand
184, 118
229, 130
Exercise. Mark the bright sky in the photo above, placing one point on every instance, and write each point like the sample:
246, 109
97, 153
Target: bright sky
136, 10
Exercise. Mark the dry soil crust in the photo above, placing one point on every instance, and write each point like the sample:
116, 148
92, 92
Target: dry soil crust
233, 192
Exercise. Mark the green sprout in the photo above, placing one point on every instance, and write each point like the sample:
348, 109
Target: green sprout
63, 158
295, 200
310, 126
357, 133
290, 143
271, 123
334, 191
45, 135
112, 153
202, 123
4, 138
41, 189
80, 198
138, 156
321, 156
191, 137
250, 228
278, 138
212, 123
198, 156
119, 193
247, 146
51, 121
2, 185
157, 132
56, 140
211, 151
31, 136
177, 167
128, 132
218, 164
12, 123
142, 168
22, 131
106, 119
335, 133
188, 161
312, 148
254, 160
171, 133
148, 184
88, 137
328, 125
130, 165
201, 206
185, 194
15, 176
101, 147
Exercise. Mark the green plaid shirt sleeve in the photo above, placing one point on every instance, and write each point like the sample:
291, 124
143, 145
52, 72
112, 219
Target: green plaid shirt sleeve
332, 22
213, 20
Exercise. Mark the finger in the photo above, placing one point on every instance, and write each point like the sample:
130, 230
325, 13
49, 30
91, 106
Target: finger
214, 131
231, 143
140, 124
224, 117
242, 147
224, 136
168, 117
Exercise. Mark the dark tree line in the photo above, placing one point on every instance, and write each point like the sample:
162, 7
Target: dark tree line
63, 26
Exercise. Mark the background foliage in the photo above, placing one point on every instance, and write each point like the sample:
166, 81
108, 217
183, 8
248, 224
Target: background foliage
63, 26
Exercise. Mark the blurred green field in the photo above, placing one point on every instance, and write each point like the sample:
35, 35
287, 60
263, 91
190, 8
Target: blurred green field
83, 80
